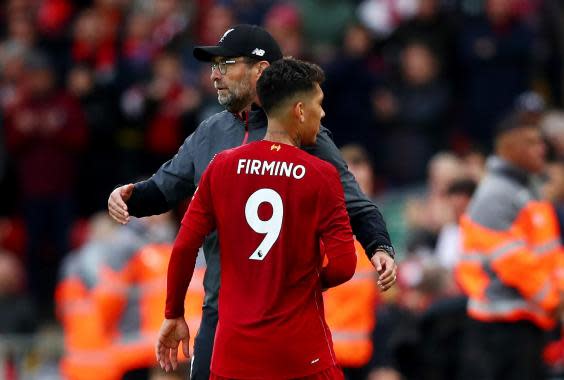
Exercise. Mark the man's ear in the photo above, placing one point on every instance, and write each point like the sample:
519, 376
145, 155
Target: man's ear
262, 65
298, 111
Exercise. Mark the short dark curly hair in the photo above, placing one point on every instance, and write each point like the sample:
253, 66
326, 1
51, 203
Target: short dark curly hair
286, 78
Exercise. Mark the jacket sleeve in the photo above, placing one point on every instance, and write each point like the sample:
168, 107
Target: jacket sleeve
366, 220
171, 184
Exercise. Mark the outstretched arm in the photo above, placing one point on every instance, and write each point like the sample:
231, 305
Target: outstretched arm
197, 223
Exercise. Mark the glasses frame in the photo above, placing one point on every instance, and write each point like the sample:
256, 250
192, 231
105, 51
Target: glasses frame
222, 65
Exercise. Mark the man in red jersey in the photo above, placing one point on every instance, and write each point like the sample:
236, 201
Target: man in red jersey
272, 204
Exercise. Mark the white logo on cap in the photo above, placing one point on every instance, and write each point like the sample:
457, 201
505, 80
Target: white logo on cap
258, 52
225, 34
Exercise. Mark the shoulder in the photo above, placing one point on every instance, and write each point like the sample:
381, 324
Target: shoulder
211, 126
228, 155
498, 201
321, 167
218, 118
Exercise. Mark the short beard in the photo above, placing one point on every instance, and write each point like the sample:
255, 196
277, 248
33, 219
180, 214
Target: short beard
239, 97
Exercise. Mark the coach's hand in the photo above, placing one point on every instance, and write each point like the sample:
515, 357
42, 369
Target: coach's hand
117, 208
386, 268
172, 332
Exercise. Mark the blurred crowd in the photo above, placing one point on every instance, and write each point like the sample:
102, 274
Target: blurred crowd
96, 93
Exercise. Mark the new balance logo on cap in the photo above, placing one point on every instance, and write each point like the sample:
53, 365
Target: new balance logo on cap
258, 52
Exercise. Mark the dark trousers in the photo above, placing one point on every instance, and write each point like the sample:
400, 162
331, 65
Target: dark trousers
502, 351
203, 346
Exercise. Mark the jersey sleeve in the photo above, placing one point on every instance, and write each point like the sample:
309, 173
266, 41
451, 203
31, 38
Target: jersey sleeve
335, 233
198, 222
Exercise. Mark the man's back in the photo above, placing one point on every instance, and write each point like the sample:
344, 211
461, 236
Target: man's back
272, 204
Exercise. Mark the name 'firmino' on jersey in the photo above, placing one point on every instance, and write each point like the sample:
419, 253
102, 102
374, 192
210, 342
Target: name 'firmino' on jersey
273, 168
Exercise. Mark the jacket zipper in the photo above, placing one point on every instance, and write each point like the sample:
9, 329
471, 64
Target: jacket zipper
246, 128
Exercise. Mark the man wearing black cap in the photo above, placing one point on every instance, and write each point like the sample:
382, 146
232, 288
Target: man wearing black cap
238, 60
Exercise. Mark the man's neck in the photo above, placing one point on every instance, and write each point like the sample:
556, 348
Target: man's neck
248, 107
277, 132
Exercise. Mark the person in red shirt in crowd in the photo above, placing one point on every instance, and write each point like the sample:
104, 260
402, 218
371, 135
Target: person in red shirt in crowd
283, 206
45, 134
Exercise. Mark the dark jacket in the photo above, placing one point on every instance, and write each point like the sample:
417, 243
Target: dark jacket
177, 179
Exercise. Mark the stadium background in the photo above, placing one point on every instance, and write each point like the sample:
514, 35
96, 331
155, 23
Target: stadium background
413, 93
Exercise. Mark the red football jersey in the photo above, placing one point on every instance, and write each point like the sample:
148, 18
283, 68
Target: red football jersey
273, 206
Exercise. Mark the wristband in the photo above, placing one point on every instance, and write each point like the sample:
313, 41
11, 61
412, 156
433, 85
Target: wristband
386, 248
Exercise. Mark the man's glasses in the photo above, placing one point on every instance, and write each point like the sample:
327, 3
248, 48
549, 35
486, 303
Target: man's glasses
222, 65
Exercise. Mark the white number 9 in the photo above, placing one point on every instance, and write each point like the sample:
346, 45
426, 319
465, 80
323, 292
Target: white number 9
270, 227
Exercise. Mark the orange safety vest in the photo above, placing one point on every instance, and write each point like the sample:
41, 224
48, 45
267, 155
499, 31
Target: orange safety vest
87, 355
135, 297
514, 274
350, 310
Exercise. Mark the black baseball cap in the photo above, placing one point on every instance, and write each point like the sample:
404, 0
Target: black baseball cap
242, 40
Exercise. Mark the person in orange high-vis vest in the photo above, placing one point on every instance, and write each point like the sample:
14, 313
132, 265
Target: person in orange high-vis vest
132, 296
87, 343
511, 267
350, 311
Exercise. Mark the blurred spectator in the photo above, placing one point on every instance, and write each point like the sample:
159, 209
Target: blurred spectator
45, 133
283, 21
553, 130
21, 30
85, 335
350, 314
17, 311
475, 164
217, 20
138, 49
426, 216
12, 62
351, 77
553, 190
495, 52
93, 44
399, 348
131, 294
324, 23
414, 108
171, 18
168, 103
157, 117
383, 16
360, 166
97, 167
449, 246
510, 263
429, 26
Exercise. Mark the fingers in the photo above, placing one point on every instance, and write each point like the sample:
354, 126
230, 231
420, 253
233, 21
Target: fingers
117, 207
386, 277
186, 347
174, 357
162, 354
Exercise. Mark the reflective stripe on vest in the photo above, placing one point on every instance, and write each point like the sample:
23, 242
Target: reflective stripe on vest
342, 335
509, 311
